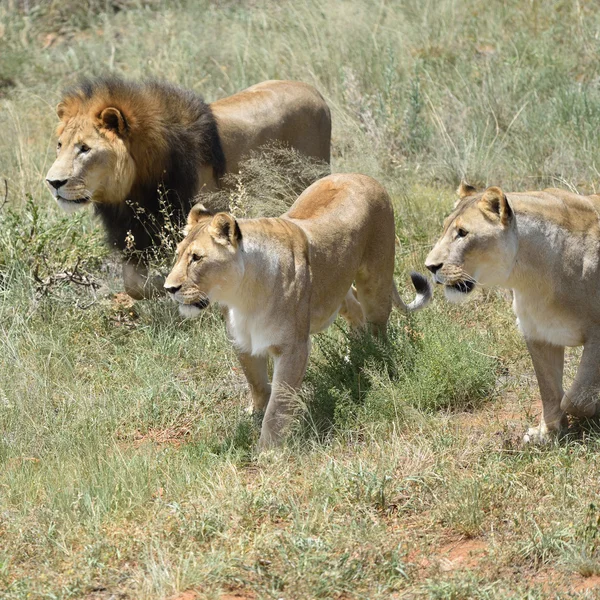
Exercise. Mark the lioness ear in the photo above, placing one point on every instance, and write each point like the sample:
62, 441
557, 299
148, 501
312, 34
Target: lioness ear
113, 120
494, 201
61, 109
464, 190
224, 229
198, 213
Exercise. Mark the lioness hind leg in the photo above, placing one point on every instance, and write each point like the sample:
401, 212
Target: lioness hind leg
375, 298
352, 311
255, 370
548, 363
581, 400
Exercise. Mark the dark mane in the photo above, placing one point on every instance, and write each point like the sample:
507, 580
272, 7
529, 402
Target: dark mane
171, 131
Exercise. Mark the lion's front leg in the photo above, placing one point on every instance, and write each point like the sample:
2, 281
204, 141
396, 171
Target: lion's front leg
289, 370
548, 362
138, 284
255, 370
581, 400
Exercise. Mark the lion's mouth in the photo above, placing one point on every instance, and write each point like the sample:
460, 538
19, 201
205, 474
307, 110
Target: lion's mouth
464, 287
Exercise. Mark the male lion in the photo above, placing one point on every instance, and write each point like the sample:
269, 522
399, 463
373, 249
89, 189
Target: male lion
545, 247
139, 151
281, 279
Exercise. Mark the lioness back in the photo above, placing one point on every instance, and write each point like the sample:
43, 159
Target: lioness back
350, 222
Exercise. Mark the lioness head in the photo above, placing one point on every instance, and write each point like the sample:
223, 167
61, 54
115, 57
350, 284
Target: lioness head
208, 267
93, 163
478, 245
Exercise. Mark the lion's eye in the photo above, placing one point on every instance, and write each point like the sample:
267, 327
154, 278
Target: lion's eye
196, 257
58, 146
84, 148
462, 232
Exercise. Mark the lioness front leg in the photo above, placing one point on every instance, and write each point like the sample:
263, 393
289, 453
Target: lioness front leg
548, 363
138, 284
255, 370
288, 373
581, 400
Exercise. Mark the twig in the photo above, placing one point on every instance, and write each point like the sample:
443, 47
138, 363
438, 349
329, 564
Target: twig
5, 194
72, 276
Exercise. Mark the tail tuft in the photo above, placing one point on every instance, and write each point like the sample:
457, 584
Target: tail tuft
423, 297
421, 284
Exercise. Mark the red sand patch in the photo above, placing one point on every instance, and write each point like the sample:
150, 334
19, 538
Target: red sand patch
189, 595
588, 583
231, 595
462, 555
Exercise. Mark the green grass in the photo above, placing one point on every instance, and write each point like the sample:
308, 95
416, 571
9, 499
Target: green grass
127, 458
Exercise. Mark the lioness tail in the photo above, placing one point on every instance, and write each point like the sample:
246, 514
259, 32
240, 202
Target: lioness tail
423, 297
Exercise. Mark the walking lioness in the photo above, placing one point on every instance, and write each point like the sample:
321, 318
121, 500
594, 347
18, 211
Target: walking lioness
545, 247
281, 279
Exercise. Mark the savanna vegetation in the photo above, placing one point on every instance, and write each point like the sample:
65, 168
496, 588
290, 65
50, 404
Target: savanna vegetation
127, 458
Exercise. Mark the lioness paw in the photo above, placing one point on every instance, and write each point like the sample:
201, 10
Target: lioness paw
539, 436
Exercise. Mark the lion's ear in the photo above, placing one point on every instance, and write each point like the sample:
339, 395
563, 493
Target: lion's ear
113, 120
224, 229
495, 202
198, 213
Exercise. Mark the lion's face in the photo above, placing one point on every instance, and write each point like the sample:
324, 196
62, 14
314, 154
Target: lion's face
93, 163
208, 267
478, 245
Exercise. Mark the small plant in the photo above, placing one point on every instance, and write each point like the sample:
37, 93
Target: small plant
584, 553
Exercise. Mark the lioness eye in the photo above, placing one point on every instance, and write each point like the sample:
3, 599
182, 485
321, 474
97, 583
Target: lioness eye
83, 148
58, 146
196, 257
461, 232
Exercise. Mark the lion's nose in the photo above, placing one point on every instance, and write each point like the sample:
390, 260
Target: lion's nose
56, 183
172, 289
434, 268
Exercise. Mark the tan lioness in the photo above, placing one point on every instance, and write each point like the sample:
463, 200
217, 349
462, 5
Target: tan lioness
281, 279
545, 247
141, 152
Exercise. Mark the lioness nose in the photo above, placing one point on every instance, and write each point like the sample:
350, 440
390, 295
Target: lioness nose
56, 183
172, 289
434, 268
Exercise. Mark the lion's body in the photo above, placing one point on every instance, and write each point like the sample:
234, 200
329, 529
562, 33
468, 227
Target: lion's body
284, 278
545, 247
150, 148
